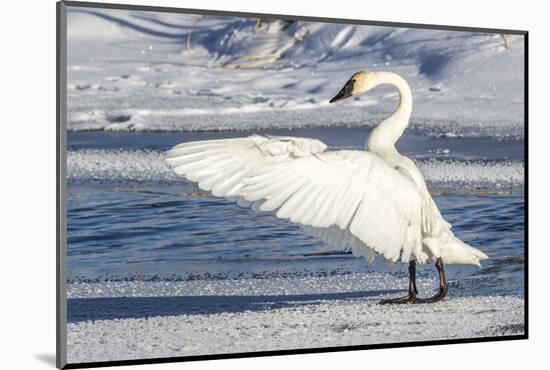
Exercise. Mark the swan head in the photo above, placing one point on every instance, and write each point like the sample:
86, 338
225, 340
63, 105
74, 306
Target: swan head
359, 83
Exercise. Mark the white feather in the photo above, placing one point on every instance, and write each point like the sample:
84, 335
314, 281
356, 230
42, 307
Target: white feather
340, 190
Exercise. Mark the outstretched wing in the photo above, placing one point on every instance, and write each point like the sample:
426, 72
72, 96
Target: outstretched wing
354, 191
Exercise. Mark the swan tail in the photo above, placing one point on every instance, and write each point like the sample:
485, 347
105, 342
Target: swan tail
440, 241
453, 250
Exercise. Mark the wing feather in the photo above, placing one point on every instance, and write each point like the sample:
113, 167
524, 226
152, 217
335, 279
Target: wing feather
349, 199
277, 200
293, 204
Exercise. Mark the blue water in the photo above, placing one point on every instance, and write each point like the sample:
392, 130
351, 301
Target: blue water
159, 231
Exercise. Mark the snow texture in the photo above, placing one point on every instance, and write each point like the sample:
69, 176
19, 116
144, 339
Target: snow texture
134, 71
118, 166
241, 315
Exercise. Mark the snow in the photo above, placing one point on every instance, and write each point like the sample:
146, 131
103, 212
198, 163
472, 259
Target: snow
333, 324
183, 318
276, 285
115, 166
131, 71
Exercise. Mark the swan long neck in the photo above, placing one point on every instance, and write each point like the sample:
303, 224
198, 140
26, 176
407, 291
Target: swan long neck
383, 138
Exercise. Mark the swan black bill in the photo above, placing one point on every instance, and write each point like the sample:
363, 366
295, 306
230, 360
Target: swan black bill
346, 92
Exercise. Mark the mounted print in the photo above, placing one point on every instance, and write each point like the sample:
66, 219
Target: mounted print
235, 184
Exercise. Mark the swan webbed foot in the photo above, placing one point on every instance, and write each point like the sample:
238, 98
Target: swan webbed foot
409, 298
435, 298
443, 289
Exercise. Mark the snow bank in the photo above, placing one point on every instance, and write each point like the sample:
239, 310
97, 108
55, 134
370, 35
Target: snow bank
136, 71
115, 166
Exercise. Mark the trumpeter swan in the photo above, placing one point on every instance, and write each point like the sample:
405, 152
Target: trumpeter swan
373, 200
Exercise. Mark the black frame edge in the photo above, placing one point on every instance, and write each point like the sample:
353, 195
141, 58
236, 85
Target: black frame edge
526, 184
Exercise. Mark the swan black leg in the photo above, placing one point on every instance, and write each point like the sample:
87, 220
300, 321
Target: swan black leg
411, 297
413, 292
442, 285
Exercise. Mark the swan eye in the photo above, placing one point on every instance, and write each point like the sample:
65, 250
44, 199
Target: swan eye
350, 86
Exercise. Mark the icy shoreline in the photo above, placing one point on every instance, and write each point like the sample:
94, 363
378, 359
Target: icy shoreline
116, 166
231, 316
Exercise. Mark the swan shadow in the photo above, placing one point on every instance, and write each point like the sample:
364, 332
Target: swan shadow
84, 309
